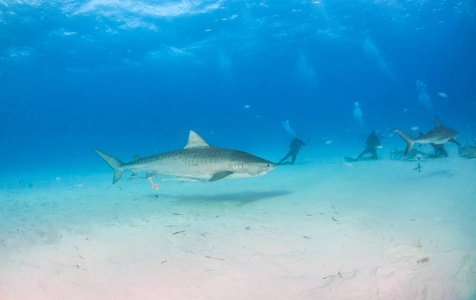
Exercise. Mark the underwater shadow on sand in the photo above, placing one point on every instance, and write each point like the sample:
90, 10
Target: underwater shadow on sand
444, 173
240, 197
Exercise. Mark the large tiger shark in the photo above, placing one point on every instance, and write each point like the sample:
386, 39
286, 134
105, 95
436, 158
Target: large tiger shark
439, 135
198, 161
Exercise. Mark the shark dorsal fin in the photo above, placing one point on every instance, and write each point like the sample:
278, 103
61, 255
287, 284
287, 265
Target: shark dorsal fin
438, 123
136, 157
195, 141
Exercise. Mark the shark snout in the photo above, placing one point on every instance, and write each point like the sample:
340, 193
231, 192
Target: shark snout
269, 167
263, 168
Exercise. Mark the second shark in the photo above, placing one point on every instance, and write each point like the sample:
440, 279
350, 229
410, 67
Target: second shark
438, 136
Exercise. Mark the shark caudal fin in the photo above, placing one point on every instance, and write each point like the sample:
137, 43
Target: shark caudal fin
408, 138
113, 162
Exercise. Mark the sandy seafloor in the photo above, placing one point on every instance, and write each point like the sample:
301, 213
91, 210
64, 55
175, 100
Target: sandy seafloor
315, 230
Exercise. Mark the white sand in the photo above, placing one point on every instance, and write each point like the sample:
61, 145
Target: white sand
309, 231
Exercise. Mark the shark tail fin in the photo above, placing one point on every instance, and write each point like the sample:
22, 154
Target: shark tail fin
408, 138
113, 162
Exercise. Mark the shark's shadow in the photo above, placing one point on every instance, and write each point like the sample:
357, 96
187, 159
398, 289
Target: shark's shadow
239, 197
446, 173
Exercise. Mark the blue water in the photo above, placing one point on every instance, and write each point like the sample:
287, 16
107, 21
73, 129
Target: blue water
133, 77
136, 77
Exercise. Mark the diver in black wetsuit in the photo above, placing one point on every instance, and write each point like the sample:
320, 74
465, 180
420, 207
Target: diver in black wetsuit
371, 146
440, 151
294, 148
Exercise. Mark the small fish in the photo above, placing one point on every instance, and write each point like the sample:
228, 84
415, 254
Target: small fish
246, 106
442, 95
415, 128
379, 147
328, 142
405, 110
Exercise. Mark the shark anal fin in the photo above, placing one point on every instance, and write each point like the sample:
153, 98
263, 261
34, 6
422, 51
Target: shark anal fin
220, 175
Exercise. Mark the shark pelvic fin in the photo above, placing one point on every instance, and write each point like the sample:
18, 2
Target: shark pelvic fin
195, 141
438, 123
220, 175
113, 162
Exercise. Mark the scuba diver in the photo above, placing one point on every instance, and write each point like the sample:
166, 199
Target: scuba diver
372, 144
294, 148
440, 151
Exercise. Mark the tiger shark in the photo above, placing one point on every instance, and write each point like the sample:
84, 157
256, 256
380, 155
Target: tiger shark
438, 136
198, 161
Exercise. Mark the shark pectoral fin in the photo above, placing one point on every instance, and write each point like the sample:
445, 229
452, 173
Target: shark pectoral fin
134, 173
455, 141
220, 175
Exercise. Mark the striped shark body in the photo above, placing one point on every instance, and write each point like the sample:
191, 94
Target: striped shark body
198, 161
